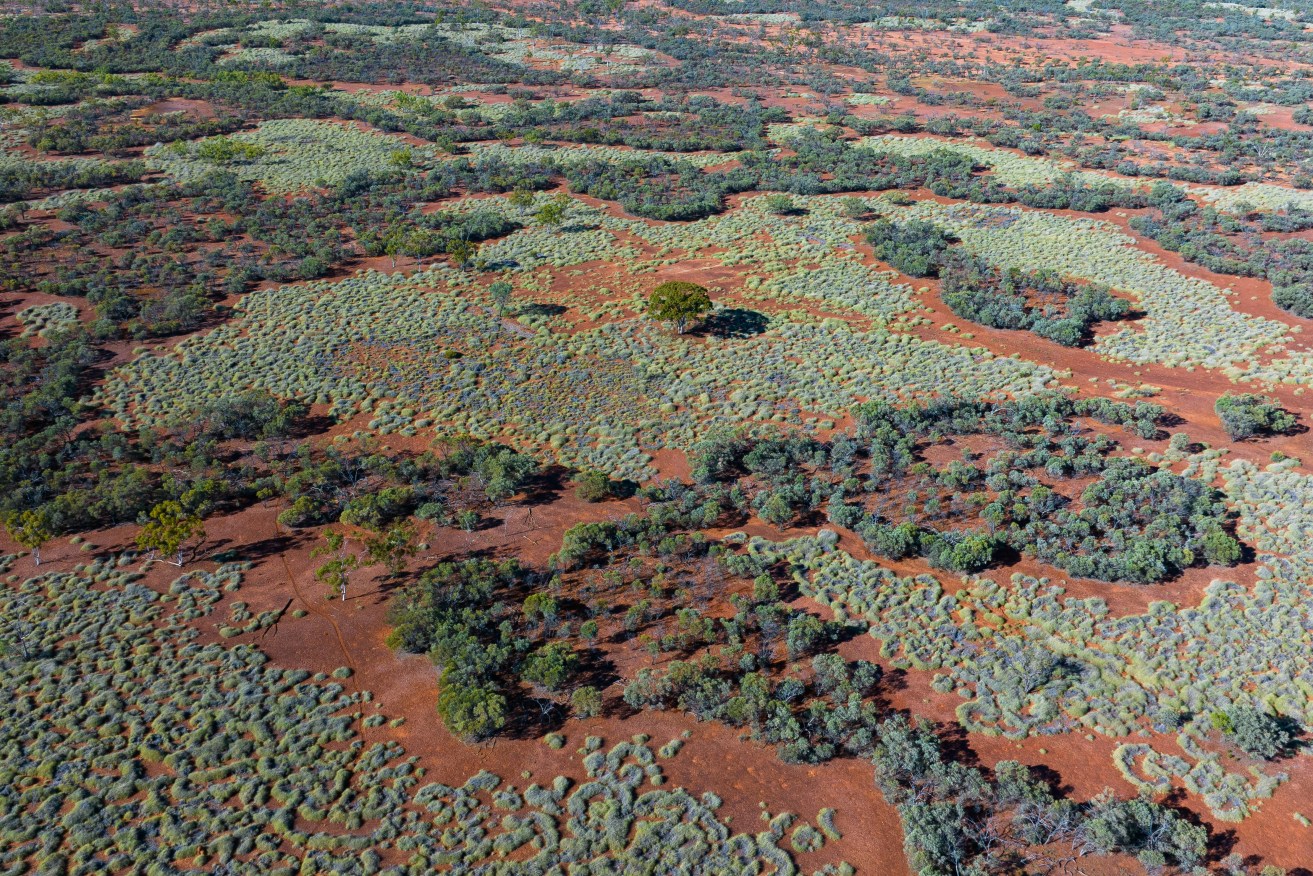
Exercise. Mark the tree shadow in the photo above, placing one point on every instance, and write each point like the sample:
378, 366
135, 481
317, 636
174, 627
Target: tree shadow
546, 486
1051, 777
1169, 419
1294, 730
309, 426
386, 589
530, 717
96, 371
8, 307
540, 309
1221, 843
624, 489
956, 745
534, 713
596, 671
482, 524
734, 322
252, 551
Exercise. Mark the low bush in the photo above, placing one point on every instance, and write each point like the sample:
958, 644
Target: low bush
1249, 414
1258, 734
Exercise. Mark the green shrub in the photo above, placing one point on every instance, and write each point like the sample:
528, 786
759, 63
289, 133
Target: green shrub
586, 702
915, 247
593, 486
471, 713
1249, 414
780, 205
1296, 299
806, 838
1257, 733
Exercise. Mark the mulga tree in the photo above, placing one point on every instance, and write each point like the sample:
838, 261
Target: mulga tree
31, 529
500, 292
392, 547
336, 572
553, 212
169, 529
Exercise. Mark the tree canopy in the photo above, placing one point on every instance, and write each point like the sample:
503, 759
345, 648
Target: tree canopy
679, 302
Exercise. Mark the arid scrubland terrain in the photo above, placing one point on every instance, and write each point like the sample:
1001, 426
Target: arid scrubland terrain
657, 436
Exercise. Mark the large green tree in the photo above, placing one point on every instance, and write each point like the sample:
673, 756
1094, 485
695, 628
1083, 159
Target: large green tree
679, 302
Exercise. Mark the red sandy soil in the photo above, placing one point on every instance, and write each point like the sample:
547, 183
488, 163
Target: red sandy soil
1031, 51
335, 633
352, 632
195, 108
1282, 118
11, 303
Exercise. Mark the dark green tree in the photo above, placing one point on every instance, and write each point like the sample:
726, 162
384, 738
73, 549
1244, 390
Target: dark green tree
679, 302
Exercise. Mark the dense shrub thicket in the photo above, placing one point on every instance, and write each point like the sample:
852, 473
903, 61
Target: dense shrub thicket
916, 248
1038, 301
1232, 244
958, 819
1133, 522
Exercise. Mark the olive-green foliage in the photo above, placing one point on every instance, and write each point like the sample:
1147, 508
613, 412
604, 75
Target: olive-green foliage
586, 702
916, 248
551, 666
471, 711
453, 613
810, 712
963, 516
593, 486
1147, 830
249, 415
354, 481
169, 526
1038, 301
